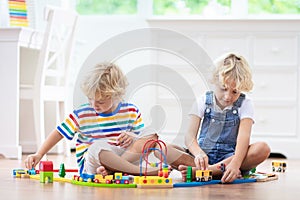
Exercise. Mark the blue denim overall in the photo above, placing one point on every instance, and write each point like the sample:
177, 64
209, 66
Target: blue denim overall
219, 130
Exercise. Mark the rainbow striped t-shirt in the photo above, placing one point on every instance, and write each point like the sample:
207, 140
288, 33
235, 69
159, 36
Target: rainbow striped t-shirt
90, 126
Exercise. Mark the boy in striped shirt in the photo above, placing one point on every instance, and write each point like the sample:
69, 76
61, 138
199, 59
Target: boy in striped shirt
109, 131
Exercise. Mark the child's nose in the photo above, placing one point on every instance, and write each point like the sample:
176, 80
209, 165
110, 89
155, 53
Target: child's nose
227, 95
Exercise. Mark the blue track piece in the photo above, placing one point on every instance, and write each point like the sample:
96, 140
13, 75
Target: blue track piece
246, 180
196, 184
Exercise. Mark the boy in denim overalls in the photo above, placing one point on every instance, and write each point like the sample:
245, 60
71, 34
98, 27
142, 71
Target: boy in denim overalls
224, 119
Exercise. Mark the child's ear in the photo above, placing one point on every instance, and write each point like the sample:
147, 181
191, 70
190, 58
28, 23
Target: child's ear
117, 98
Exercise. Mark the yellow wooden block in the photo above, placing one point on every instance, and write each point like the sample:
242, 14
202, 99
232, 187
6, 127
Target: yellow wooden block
153, 182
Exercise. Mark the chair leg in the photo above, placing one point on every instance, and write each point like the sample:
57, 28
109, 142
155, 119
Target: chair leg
39, 121
61, 112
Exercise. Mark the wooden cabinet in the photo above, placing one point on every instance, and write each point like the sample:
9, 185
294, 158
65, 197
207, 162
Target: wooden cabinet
272, 49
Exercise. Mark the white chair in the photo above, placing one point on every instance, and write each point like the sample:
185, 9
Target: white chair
51, 80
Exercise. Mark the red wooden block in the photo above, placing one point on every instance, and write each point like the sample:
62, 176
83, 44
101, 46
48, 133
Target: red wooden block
46, 166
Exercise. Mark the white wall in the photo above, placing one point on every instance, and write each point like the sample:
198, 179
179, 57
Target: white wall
245, 36
91, 32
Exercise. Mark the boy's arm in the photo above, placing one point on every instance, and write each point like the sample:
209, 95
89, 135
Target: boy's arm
33, 159
242, 145
201, 159
191, 136
50, 142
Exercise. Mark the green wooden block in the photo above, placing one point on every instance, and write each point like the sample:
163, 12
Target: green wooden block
189, 174
46, 177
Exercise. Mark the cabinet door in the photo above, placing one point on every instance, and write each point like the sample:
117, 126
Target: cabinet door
270, 49
269, 120
217, 45
276, 92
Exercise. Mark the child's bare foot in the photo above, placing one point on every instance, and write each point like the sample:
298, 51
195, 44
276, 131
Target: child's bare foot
183, 170
101, 170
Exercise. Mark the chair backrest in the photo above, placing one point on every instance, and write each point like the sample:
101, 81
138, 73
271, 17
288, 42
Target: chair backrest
55, 55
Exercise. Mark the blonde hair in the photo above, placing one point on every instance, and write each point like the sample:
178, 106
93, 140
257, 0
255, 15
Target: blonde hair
231, 67
106, 80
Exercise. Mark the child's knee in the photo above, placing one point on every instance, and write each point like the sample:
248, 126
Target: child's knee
262, 150
266, 149
163, 149
140, 143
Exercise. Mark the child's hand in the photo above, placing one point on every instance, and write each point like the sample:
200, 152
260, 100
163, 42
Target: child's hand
231, 173
201, 161
124, 139
32, 160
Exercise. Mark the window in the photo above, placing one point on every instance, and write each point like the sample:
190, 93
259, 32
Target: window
106, 7
206, 8
274, 6
191, 7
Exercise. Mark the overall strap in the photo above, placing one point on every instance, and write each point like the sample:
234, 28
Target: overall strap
240, 100
209, 98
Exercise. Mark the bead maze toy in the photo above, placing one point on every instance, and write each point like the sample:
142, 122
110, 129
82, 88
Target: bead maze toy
162, 180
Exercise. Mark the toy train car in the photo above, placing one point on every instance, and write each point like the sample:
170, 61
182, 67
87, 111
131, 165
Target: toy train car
279, 166
117, 178
22, 173
203, 175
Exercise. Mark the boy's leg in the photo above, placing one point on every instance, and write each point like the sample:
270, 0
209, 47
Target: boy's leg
257, 153
116, 163
91, 159
134, 152
176, 156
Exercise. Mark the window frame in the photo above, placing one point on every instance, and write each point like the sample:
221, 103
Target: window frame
239, 10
